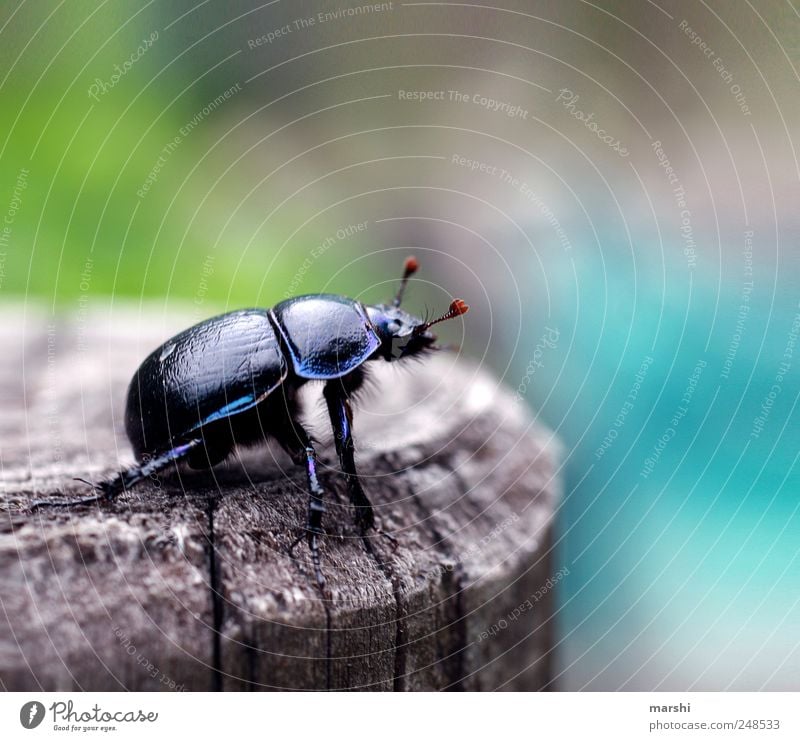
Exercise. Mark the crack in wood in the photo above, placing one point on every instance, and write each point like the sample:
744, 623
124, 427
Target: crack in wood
400, 648
440, 543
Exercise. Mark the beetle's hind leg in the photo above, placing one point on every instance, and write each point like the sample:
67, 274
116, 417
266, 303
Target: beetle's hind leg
104, 489
107, 490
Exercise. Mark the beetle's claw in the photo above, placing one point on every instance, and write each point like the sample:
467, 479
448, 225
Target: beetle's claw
40, 503
368, 523
96, 487
312, 535
103, 493
295, 542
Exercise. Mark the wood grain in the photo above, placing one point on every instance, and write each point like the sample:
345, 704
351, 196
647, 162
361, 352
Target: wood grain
186, 582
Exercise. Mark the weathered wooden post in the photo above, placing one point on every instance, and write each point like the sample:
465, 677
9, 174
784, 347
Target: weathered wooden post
186, 583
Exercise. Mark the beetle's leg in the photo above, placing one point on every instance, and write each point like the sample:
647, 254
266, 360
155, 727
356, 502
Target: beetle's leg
297, 443
316, 508
107, 490
342, 420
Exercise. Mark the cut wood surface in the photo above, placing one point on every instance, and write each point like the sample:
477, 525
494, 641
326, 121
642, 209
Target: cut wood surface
185, 582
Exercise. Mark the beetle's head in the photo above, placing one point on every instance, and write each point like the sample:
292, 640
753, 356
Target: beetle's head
402, 334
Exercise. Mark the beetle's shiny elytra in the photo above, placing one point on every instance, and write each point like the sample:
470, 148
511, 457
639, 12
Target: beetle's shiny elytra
233, 379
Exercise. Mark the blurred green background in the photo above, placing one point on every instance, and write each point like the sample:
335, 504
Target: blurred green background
219, 155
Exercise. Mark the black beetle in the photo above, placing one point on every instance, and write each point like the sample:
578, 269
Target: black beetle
212, 387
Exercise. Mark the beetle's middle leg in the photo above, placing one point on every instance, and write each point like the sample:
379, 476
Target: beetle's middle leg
297, 443
341, 416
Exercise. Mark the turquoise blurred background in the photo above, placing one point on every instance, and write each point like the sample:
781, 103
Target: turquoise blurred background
612, 186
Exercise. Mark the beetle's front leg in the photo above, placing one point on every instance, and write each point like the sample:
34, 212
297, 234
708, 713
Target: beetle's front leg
341, 417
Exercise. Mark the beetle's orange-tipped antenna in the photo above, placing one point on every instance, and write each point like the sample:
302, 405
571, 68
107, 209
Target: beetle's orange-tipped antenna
409, 268
457, 308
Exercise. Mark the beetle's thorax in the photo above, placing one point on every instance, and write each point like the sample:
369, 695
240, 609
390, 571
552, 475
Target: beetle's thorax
325, 335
